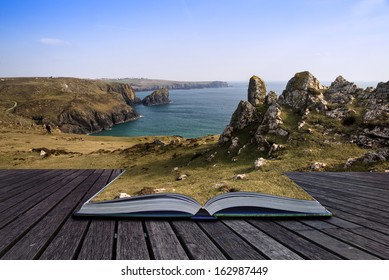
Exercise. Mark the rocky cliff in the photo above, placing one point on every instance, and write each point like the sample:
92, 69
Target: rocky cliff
158, 97
308, 111
69, 104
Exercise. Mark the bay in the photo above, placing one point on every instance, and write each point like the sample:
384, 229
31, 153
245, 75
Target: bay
192, 112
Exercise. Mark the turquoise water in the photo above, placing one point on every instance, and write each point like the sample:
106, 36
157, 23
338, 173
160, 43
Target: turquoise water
192, 113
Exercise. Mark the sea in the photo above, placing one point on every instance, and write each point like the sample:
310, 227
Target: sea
192, 113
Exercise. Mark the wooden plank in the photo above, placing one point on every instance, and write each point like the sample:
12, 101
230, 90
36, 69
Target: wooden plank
336, 184
7, 172
375, 179
98, 243
31, 187
310, 184
13, 208
357, 211
351, 195
371, 179
229, 242
131, 241
301, 224
197, 243
296, 243
351, 192
372, 234
373, 247
18, 227
342, 182
263, 242
31, 244
12, 179
341, 248
348, 197
65, 245
99, 231
163, 241
24, 183
341, 223
359, 220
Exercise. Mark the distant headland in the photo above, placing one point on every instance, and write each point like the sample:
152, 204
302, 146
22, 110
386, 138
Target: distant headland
143, 84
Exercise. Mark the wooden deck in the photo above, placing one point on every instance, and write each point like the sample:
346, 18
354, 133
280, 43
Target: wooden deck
36, 222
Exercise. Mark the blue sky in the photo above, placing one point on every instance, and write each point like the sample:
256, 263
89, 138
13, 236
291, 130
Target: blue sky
195, 39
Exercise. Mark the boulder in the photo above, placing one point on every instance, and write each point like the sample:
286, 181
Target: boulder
317, 165
274, 148
300, 125
182, 177
158, 97
259, 163
123, 195
339, 113
43, 154
256, 91
271, 98
304, 91
240, 176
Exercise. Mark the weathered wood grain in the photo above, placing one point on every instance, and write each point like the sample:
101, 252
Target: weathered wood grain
65, 245
229, 242
268, 246
197, 243
164, 243
296, 243
131, 241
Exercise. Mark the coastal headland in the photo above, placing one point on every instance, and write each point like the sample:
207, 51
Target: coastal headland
309, 127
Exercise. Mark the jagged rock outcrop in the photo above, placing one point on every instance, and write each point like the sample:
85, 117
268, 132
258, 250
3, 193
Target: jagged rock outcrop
270, 124
364, 114
158, 97
257, 91
304, 91
244, 115
381, 154
341, 91
247, 114
127, 93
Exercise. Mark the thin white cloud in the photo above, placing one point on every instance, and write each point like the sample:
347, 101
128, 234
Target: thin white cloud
53, 42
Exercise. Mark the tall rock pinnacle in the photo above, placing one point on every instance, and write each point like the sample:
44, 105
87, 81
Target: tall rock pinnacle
257, 91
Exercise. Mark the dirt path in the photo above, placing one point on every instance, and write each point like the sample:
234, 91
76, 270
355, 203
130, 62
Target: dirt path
9, 110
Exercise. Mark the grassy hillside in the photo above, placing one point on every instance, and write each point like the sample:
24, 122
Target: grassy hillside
69, 104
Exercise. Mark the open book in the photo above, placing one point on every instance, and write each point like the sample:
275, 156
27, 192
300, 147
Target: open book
233, 204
